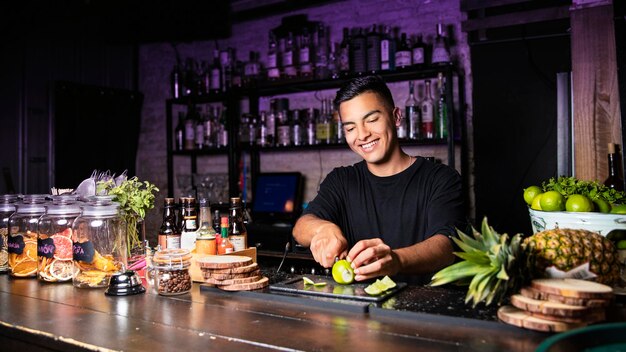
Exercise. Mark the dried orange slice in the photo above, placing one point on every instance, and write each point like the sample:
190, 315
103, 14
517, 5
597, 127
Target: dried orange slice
30, 249
25, 268
61, 270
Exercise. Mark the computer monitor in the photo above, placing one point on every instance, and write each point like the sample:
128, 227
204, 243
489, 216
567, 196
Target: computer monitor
277, 197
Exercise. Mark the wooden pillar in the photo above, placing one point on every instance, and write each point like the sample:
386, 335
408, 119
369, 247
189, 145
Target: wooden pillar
597, 119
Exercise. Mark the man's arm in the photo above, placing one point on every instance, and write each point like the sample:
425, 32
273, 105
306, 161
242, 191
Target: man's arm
323, 237
372, 258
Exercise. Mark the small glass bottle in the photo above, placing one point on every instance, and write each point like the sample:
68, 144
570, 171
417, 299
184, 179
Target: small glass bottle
442, 109
189, 224
179, 132
403, 53
169, 234
343, 58
225, 245
273, 66
441, 54
237, 233
283, 130
614, 180
54, 240
205, 240
387, 50
412, 114
22, 240
306, 67
428, 113
7, 208
418, 52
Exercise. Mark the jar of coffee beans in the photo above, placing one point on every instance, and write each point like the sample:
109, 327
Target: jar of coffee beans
169, 274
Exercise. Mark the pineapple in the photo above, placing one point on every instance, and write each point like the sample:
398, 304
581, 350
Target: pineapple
495, 266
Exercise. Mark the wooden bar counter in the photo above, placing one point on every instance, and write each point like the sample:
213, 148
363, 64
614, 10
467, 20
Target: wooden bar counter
36, 316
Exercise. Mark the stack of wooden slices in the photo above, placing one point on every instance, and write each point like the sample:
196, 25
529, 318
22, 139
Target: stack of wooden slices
232, 272
558, 305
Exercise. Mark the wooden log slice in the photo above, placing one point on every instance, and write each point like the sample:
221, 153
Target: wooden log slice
261, 283
554, 309
223, 261
573, 288
591, 318
231, 276
242, 280
515, 316
235, 270
585, 302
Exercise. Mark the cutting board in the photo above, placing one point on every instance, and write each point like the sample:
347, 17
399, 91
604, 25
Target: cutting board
354, 291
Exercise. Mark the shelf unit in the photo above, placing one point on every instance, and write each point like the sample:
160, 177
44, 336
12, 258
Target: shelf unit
264, 89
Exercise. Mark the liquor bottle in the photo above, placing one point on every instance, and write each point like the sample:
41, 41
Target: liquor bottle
262, 138
206, 78
227, 60
209, 129
189, 78
175, 81
244, 126
418, 51
321, 53
222, 127
323, 130
387, 50
189, 223
337, 124
252, 69
442, 109
270, 122
403, 52
615, 179
311, 127
333, 69
199, 130
237, 75
169, 234
252, 127
179, 132
205, 238
441, 54
343, 62
289, 58
304, 54
237, 233
412, 114
216, 74
358, 52
373, 50
273, 70
225, 246
216, 221
283, 130
296, 128
428, 113
190, 129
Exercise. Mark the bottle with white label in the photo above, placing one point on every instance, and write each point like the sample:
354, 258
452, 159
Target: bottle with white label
428, 113
387, 50
273, 70
403, 53
237, 233
441, 54
412, 114
189, 223
418, 52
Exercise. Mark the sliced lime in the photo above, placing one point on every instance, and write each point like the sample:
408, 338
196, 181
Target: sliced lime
307, 281
380, 285
319, 284
388, 282
373, 290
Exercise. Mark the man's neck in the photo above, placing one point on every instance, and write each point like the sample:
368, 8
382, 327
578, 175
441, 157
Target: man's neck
397, 162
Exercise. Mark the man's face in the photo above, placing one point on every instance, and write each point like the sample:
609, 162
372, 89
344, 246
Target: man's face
369, 127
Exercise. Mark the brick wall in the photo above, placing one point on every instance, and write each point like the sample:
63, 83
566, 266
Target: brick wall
157, 60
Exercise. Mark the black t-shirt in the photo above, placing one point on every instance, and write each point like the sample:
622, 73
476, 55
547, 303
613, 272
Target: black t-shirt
403, 209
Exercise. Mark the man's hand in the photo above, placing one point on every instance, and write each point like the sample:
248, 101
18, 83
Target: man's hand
328, 245
373, 258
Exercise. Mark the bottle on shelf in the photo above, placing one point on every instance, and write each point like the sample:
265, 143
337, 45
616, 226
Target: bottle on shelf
290, 69
273, 66
270, 122
373, 50
387, 50
333, 69
190, 129
189, 226
296, 128
343, 58
304, 54
323, 130
244, 129
199, 130
189, 78
205, 238
403, 53
428, 113
227, 60
206, 78
338, 126
283, 129
225, 246
237, 233
311, 127
175, 82
441, 53
179, 132
169, 234
209, 129
615, 179
216, 221
216, 74
358, 52
442, 109
262, 134
252, 70
412, 114
222, 127
321, 53
418, 51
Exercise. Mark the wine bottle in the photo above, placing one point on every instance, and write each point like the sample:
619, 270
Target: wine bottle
615, 179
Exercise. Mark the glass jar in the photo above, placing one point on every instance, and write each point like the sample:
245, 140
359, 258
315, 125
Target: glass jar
22, 240
54, 240
169, 274
7, 208
99, 243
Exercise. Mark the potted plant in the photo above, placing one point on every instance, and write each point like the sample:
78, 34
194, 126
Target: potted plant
135, 199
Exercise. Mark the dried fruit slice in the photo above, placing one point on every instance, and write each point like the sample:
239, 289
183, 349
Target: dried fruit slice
30, 249
62, 247
25, 268
62, 270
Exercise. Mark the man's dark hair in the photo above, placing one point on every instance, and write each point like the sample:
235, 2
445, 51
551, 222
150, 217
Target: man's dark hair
360, 85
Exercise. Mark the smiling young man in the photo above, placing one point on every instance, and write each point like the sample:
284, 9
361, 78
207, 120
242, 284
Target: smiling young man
390, 213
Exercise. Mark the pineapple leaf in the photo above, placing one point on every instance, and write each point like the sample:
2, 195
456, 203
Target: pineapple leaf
455, 272
478, 257
464, 241
502, 275
490, 235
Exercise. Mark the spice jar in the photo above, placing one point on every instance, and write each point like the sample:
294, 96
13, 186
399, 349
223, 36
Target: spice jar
54, 240
99, 243
22, 240
170, 271
7, 208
